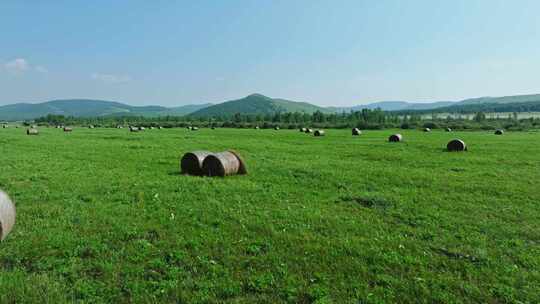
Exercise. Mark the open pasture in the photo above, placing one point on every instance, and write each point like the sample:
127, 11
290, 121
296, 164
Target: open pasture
103, 215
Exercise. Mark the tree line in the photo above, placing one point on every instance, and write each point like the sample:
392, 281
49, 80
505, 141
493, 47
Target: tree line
363, 119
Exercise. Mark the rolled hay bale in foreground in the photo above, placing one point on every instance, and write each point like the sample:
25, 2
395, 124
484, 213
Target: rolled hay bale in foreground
395, 138
32, 131
309, 130
499, 132
224, 164
68, 129
7, 215
427, 130
318, 133
356, 132
456, 145
448, 130
192, 162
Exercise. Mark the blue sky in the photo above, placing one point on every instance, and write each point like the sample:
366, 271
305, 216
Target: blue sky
325, 52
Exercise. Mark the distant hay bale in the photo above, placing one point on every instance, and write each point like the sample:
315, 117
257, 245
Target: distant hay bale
448, 130
356, 131
142, 128
427, 130
160, 128
303, 130
133, 129
395, 138
224, 164
68, 129
194, 128
192, 162
319, 133
90, 127
152, 128
257, 128
32, 131
7, 215
456, 145
276, 128
499, 132
309, 130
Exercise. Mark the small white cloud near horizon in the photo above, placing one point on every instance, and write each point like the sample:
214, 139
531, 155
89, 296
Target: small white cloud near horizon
21, 65
110, 78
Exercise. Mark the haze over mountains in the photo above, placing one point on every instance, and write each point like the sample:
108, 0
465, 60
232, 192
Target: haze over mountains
252, 104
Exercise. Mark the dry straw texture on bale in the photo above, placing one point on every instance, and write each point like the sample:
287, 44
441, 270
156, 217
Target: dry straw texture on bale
319, 133
192, 162
395, 138
456, 145
32, 131
356, 131
7, 215
499, 132
223, 164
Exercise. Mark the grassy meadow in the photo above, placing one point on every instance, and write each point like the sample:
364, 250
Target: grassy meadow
105, 216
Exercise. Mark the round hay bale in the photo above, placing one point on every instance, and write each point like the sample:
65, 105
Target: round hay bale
395, 138
142, 128
160, 128
32, 131
91, 127
448, 130
191, 163
276, 128
68, 129
133, 129
356, 132
7, 215
318, 133
456, 145
499, 132
309, 130
257, 127
194, 128
427, 130
303, 130
224, 164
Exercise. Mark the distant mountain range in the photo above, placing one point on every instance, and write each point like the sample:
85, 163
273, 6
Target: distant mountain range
252, 104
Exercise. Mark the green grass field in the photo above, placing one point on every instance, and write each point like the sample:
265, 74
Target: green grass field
105, 216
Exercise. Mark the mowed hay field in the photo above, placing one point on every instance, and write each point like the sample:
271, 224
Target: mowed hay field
103, 215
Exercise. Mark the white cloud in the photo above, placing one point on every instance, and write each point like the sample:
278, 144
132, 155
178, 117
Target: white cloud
110, 78
41, 69
21, 65
17, 65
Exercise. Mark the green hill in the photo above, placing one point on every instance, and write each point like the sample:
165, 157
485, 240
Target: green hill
257, 104
504, 99
88, 108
